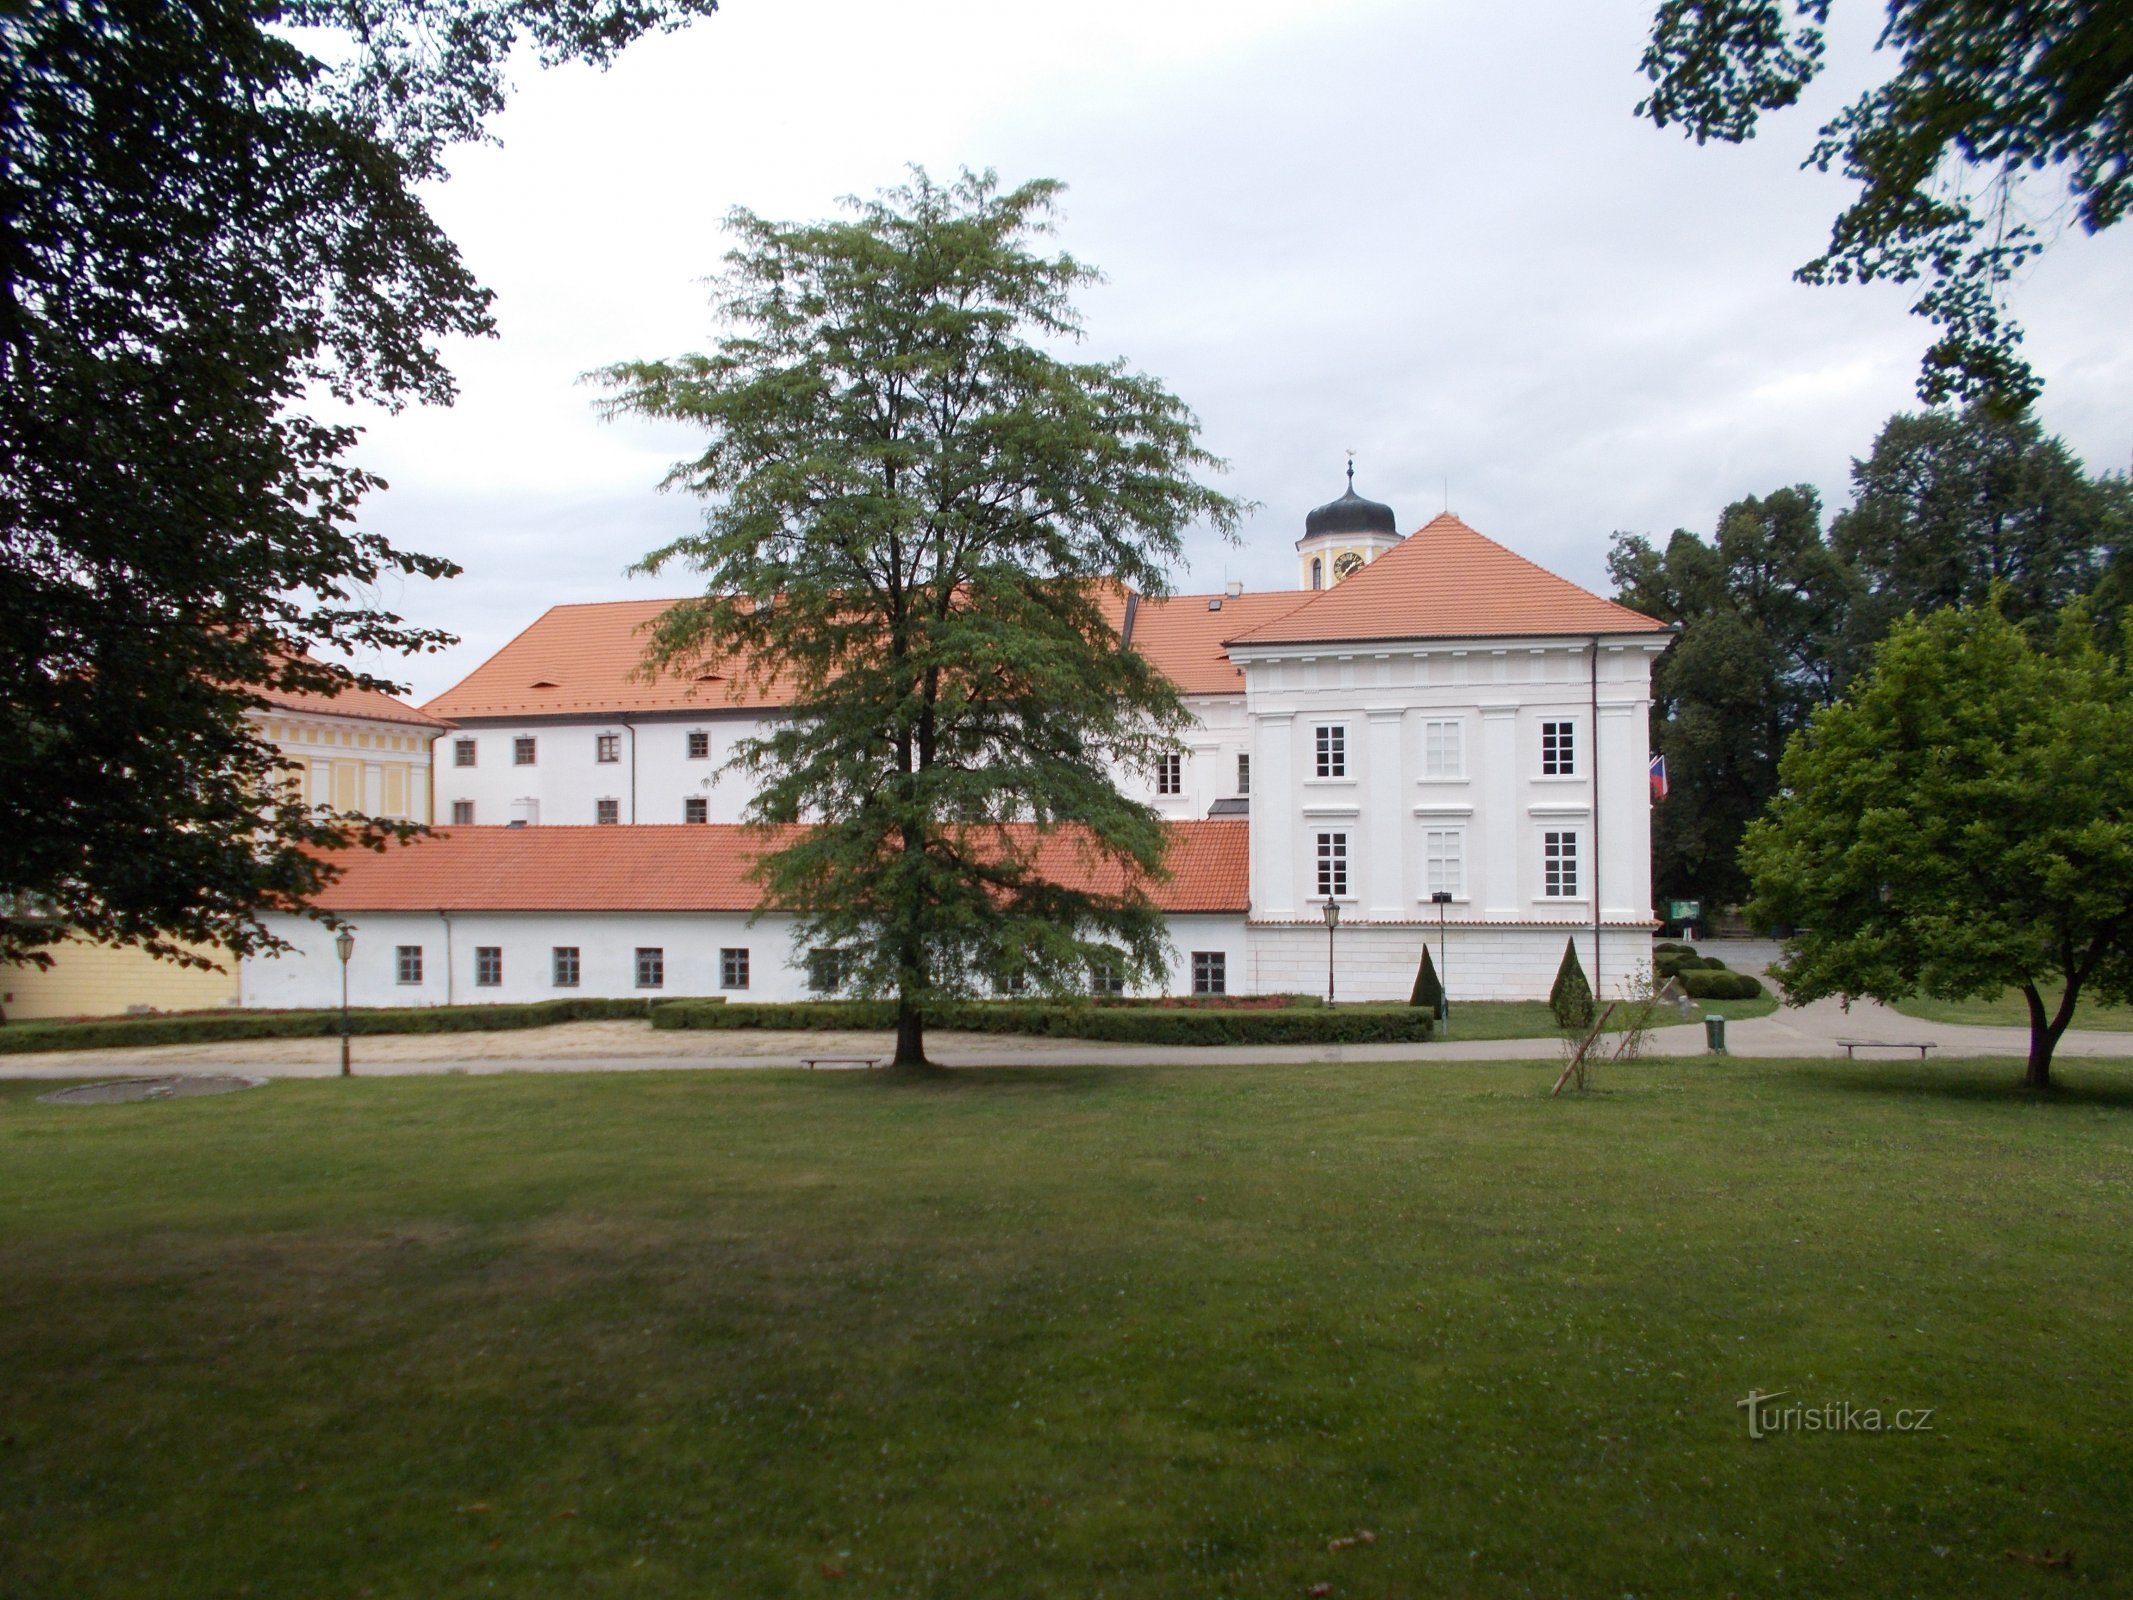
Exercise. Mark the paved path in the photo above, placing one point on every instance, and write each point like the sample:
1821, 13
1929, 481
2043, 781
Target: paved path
609, 1047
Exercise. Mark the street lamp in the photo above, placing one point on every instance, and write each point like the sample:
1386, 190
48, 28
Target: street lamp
1443, 898
1332, 908
344, 944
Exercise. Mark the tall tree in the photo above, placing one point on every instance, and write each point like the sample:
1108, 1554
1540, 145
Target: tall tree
1761, 609
208, 215
1961, 824
919, 515
1950, 505
1990, 101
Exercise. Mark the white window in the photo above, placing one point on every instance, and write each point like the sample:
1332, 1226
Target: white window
827, 970
1559, 753
1443, 750
522, 751
462, 813
1333, 864
566, 966
695, 808
1331, 741
1170, 774
462, 752
651, 967
1244, 775
1444, 862
410, 963
1559, 865
1106, 982
607, 811
699, 744
488, 965
1210, 972
733, 969
607, 747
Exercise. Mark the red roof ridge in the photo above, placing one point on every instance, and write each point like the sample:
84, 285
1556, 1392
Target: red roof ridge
1413, 591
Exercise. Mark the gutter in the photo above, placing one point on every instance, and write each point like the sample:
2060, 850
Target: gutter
1595, 681
447, 918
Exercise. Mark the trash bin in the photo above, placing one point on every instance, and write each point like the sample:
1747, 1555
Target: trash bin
1714, 1034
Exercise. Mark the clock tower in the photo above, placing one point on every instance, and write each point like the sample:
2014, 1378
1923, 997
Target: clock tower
1343, 536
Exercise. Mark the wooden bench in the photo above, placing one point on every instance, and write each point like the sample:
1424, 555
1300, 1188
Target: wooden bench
1920, 1045
841, 1061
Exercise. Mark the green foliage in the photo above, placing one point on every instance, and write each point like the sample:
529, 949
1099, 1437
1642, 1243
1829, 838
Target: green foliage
205, 1027
1716, 983
1947, 151
1429, 988
1775, 619
1951, 507
917, 517
1963, 822
1761, 610
1120, 1024
1571, 997
208, 230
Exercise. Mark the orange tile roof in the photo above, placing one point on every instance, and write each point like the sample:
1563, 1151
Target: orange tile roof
701, 867
1447, 581
1183, 638
371, 705
582, 659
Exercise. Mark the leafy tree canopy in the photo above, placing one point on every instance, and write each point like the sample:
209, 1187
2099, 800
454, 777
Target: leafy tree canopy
1989, 101
920, 521
1761, 610
204, 221
1962, 823
1950, 505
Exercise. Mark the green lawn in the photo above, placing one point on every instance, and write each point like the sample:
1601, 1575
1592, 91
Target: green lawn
1131, 1332
2010, 1010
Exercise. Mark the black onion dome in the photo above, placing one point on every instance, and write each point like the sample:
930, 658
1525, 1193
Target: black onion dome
1351, 513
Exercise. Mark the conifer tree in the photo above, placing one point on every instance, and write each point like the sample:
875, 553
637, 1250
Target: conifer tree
1571, 998
920, 519
1429, 988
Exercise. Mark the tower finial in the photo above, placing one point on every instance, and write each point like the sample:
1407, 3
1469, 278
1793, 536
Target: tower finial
1351, 472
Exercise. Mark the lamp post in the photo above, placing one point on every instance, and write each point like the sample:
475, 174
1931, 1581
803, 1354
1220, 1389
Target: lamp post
344, 944
1443, 898
1332, 909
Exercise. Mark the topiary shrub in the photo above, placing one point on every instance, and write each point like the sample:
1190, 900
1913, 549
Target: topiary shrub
1571, 998
1429, 988
1720, 985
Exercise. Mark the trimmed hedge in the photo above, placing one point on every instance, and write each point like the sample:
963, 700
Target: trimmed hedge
1720, 985
208, 1027
1128, 1024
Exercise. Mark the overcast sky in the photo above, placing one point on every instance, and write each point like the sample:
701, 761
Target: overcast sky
1432, 233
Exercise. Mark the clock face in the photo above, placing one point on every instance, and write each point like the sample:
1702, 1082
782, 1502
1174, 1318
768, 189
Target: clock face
1347, 566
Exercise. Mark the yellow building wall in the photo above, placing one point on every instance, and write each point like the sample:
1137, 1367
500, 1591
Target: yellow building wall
95, 980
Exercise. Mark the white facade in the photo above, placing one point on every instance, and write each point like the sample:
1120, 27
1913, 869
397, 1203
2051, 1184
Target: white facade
504, 957
563, 770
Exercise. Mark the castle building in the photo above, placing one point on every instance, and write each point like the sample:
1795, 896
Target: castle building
1441, 738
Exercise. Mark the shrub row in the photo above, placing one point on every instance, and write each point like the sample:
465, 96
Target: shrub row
206, 1027
1720, 985
1124, 1024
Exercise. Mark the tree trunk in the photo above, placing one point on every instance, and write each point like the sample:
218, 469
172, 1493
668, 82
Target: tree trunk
910, 1036
2044, 1032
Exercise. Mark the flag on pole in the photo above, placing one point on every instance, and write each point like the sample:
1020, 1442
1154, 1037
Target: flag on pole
1658, 777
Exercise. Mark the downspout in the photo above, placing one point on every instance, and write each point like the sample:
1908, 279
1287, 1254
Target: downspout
1595, 680
633, 768
447, 918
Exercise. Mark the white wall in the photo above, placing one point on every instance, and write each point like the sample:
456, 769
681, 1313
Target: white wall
1481, 961
567, 779
1498, 693
607, 943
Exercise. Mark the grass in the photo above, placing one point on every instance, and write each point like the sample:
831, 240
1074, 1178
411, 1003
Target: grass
1069, 1332
2010, 1010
